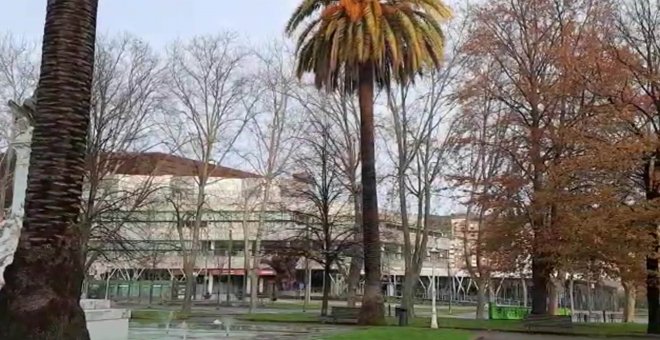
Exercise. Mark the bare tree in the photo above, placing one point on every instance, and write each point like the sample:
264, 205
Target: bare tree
325, 230
479, 158
273, 134
341, 109
125, 97
418, 116
249, 203
209, 111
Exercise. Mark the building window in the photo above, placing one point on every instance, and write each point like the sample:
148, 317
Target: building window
108, 188
182, 188
191, 224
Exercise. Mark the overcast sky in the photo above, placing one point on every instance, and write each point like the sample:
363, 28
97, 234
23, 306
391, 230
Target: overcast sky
161, 21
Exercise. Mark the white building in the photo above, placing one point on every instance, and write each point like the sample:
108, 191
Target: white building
148, 243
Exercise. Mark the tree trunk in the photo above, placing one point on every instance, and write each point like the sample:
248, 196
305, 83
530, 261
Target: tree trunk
353, 281
355, 270
631, 295
254, 288
653, 289
188, 269
256, 256
571, 293
525, 293
540, 281
553, 298
327, 281
408, 294
41, 298
151, 292
481, 299
372, 311
653, 294
246, 256
590, 298
652, 280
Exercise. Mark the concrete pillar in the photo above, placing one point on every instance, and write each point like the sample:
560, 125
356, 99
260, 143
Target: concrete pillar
22, 150
210, 284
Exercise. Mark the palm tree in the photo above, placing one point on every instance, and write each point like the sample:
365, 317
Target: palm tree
42, 293
350, 45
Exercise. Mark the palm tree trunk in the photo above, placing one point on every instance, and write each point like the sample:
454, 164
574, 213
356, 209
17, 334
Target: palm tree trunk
373, 309
41, 298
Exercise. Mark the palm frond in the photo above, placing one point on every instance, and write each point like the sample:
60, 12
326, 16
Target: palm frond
400, 38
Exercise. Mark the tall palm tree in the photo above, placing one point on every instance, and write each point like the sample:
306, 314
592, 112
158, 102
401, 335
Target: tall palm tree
352, 45
42, 293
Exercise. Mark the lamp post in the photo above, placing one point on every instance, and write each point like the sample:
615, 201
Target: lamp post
434, 311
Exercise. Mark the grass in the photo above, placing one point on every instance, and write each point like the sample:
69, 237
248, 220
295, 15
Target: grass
281, 317
294, 305
590, 329
392, 333
163, 315
594, 329
154, 314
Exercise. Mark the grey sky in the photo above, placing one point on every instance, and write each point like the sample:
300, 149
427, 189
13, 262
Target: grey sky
161, 21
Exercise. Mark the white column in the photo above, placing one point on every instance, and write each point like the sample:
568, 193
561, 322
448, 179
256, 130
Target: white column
210, 278
10, 229
209, 275
22, 151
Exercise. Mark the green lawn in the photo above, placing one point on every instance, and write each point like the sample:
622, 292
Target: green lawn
393, 333
153, 314
282, 317
593, 329
314, 305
